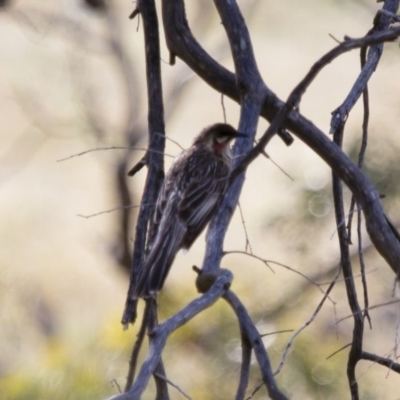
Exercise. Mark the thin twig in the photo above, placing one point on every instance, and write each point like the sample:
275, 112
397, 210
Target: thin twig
267, 156
134, 13
355, 276
248, 245
362, 267
280, 168
223, 107
136, 348
115, 382
113, 148
338, 351
267, 262
307, 323
173, 385
397, 338
255, 390
138, 166
171, 140
335, 39
112, 209
276, 332
369, 309
394, 351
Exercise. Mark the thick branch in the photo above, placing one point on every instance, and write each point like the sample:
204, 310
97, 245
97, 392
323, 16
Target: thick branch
159, 370
386, 362
297, 93
181, 42
345, 260
245, 366
161, 333
381, 23
251, 91
155, 160
249, 330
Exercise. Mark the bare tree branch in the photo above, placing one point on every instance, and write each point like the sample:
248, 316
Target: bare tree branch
181, 43
136, 348
345, 260
161, 332
159, 374
175, 386
247, 328
247, 87
364, 140
381, 23
307, 323
386, 362
360, 312
250, 88
155, 161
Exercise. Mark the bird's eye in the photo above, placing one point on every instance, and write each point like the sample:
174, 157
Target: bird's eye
221, 139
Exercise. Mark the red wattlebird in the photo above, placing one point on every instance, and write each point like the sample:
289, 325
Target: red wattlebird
189, 197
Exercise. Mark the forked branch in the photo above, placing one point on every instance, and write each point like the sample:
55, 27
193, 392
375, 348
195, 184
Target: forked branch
181, 42
246, 87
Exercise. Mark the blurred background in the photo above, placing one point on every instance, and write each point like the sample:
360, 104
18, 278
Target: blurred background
72, 80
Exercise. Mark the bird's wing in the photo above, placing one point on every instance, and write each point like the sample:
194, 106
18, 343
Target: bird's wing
198, 205
162, 254
170, 185
199, 198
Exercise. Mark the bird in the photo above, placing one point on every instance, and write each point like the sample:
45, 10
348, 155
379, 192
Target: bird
189, 197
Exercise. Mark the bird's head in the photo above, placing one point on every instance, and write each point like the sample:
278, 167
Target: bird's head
218, 136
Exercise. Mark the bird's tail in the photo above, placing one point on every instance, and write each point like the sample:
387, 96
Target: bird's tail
158, 263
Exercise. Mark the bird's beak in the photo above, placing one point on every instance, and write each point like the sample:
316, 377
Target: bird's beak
238, 134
